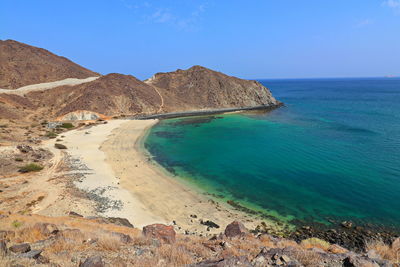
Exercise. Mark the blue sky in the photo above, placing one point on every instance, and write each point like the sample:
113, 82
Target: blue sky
248, 39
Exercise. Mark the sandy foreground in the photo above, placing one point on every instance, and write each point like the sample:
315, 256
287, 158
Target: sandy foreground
118, 173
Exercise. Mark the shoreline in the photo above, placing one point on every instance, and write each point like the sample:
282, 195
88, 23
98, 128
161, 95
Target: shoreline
171, 200
206, 112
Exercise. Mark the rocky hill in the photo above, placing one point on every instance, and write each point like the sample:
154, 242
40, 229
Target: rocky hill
197, 88
202, 88
22, 64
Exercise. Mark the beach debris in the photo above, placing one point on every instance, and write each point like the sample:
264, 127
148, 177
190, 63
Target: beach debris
235, 229
161, 232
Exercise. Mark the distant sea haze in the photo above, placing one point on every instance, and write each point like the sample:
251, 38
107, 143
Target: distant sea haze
331, 154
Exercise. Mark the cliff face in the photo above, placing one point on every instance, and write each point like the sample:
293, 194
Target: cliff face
22, 64
202, 88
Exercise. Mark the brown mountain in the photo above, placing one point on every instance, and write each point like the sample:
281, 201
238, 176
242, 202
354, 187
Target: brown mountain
197, 88
22, 64
112, 94
202, 88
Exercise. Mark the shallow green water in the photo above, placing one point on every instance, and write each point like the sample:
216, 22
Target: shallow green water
331, 154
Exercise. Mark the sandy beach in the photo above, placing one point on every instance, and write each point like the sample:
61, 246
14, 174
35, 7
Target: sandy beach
120, 174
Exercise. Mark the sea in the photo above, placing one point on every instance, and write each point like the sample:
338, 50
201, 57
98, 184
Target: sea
330, 154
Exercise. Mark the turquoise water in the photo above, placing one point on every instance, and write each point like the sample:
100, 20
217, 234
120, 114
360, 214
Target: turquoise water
331, 154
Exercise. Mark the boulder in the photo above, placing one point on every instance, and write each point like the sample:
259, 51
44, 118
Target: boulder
235, 229
20, 248
33, 254
94, 261
161, 232
357, 261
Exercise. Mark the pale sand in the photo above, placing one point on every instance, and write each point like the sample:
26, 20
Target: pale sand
117, 163
46, 86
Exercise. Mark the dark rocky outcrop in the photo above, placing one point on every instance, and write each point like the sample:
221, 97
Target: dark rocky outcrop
161, 232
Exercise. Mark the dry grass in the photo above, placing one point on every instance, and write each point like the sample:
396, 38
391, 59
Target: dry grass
315, 243
387, 252
308, 258
174, 255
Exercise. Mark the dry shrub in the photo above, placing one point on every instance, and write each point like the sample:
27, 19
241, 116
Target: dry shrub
141, 240
174, 255
308, 258
196, 246
387, 252
266, 241
29, 234
314, 242
108, 242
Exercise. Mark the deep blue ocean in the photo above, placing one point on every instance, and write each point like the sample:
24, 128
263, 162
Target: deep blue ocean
332, 153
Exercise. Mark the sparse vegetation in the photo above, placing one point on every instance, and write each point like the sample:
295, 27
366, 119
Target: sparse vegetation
32, 167
51, 134
19, 159
67, 125
16, 224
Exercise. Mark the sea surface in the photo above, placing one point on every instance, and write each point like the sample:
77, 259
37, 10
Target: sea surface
332, 153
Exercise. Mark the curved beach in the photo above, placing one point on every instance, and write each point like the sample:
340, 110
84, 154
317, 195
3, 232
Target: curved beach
160, 196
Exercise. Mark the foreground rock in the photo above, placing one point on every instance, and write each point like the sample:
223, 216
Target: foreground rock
20, 248
161, 232
235, 229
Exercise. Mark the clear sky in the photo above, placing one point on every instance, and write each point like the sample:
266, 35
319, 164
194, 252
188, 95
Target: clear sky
249, 39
